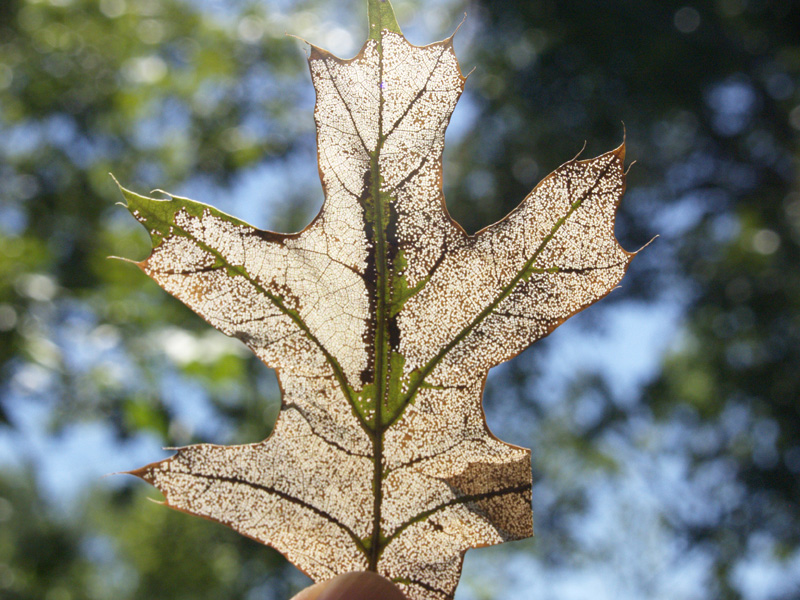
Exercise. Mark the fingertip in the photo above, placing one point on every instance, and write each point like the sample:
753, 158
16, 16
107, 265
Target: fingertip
310, 593
362, 585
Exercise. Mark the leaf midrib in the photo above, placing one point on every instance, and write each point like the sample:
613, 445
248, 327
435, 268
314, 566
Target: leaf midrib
381, 328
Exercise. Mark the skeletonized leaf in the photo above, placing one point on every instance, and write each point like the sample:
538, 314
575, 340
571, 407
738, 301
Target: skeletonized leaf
382, 319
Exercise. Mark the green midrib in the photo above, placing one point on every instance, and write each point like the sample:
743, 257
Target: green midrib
381, 339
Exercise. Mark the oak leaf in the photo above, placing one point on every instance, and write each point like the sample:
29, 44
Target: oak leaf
382, 319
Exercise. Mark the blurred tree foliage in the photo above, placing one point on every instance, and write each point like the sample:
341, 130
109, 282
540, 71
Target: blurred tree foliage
710, 94
118, 547
212, 97
157, 92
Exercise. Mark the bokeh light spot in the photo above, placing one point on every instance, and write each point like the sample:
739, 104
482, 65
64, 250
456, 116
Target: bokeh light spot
687, 19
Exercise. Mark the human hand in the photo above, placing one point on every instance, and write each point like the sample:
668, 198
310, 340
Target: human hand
360, 585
